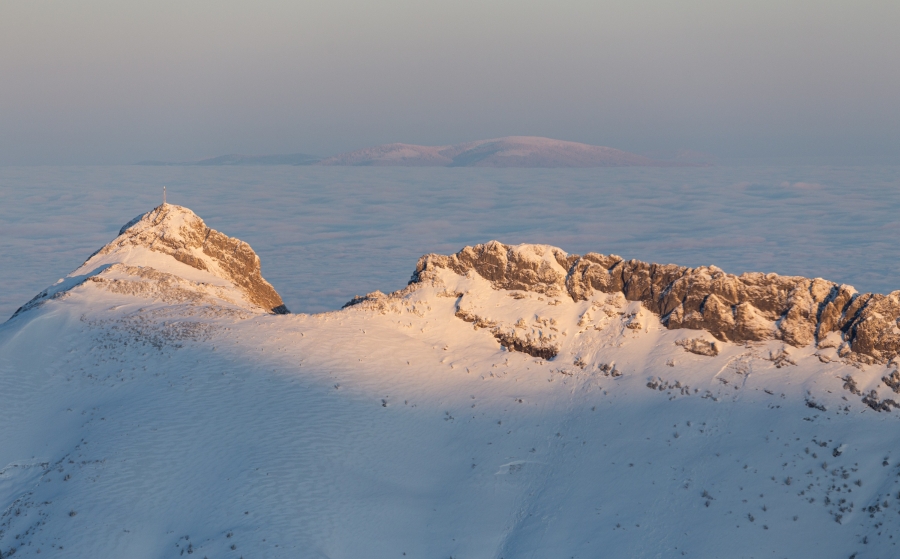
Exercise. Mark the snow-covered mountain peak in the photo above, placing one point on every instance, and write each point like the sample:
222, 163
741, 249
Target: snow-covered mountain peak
171, 245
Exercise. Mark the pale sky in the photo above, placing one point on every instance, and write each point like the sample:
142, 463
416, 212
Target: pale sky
96, 82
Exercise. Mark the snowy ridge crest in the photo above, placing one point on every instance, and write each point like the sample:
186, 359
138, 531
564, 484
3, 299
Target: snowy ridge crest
750, 307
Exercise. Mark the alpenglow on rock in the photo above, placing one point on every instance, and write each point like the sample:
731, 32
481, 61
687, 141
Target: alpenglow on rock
749, 307
218, 265
179, 232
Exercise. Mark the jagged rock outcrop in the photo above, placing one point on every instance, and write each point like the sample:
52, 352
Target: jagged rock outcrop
870, 322
749, 307
180, 233
699, 346
538, 268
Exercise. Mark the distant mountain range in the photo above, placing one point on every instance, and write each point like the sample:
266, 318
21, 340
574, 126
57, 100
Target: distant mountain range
236, 159
511, 151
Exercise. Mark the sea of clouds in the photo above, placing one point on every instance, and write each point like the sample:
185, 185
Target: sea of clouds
327, 234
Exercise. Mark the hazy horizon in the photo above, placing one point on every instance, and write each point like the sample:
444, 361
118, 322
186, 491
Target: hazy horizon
109, 83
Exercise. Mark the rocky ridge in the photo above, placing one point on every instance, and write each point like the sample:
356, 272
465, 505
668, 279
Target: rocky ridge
746, 308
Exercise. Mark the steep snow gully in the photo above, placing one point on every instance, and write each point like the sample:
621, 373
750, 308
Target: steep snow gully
511, 401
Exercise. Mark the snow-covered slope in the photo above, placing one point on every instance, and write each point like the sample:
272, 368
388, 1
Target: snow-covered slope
511, 151
512, 401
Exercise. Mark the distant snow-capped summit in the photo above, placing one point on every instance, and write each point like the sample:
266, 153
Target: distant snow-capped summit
511, 151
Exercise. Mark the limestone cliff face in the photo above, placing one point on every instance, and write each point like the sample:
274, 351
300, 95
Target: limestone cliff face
749, 307
178, 232
539, 268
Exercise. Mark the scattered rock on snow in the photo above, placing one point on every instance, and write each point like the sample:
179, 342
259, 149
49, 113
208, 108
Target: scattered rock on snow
699, 346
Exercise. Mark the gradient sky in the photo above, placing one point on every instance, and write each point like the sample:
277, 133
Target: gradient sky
96, 82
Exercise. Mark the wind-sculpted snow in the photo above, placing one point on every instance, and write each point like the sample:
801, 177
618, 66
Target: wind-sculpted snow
749, 307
